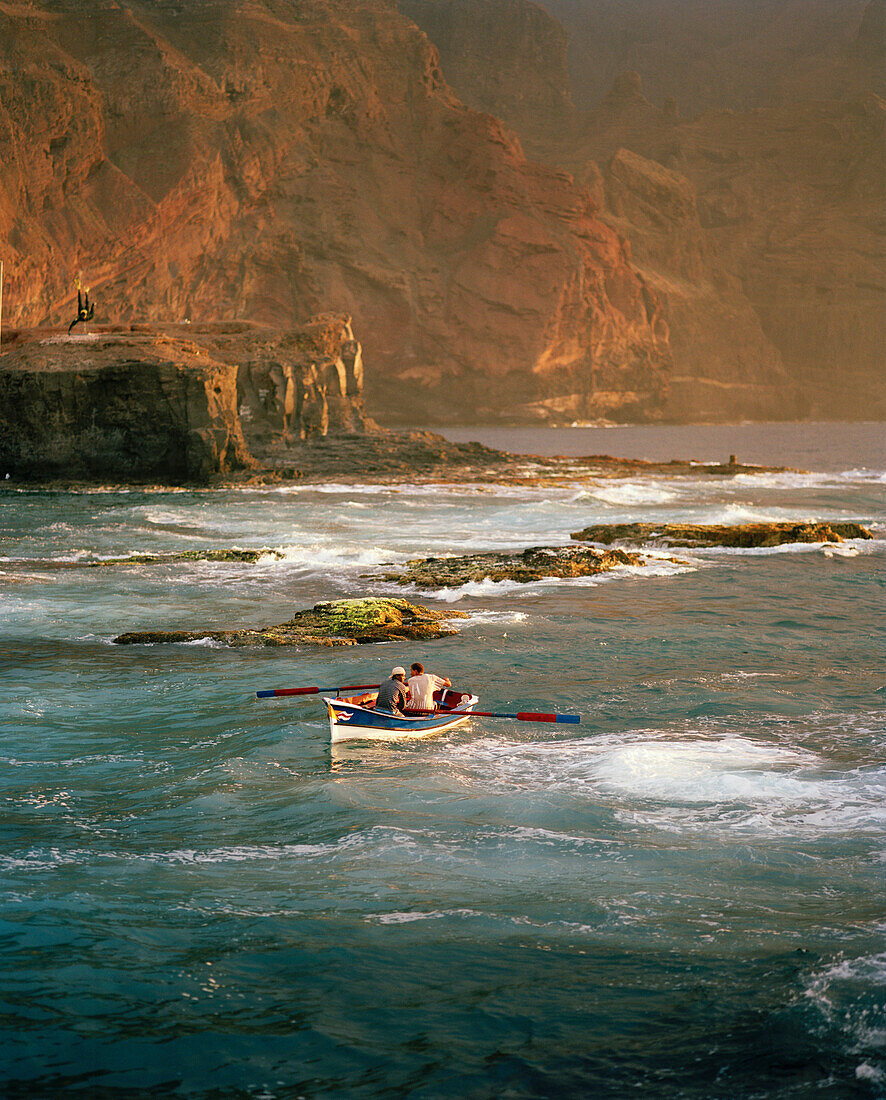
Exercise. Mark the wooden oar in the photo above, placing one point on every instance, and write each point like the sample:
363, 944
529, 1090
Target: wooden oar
520, 716
273, 692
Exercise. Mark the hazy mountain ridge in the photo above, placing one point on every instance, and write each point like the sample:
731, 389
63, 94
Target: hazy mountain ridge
761, 229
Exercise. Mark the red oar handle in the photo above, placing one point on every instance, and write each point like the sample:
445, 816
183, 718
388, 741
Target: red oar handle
275, 692
520, 716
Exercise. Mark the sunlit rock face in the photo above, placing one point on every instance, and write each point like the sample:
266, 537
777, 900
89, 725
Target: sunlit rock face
271, 161
175, 403
756, 222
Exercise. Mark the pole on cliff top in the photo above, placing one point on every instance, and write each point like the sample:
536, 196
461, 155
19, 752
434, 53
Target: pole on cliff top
1, 307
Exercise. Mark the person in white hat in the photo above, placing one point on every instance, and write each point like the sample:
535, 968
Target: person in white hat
392, 695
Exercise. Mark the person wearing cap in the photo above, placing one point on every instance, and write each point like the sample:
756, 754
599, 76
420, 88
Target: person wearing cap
422, 686
392, 695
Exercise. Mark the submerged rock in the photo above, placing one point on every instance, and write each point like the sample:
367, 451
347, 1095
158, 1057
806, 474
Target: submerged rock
248, 557
534, 564
742, 535
338, 622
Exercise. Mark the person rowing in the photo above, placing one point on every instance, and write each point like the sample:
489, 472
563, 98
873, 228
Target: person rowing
422, 686
393, 695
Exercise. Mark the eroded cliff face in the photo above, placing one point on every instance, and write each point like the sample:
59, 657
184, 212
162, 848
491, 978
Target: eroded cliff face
184, 403
759, 230
271, 159
506, 57
118, 407
789, 203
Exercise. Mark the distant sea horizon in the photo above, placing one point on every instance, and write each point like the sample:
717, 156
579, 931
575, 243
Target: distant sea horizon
820, 445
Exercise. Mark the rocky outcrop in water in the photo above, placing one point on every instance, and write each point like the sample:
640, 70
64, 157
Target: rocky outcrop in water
743, 535
337, 623
534, 564
301, 156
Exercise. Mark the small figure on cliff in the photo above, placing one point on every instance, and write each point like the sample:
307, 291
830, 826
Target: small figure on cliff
422, 686
85, 310
392, 695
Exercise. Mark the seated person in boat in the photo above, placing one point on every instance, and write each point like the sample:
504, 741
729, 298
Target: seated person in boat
392, 695
422, 686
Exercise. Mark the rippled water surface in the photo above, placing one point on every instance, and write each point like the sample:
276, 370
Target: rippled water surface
681, 897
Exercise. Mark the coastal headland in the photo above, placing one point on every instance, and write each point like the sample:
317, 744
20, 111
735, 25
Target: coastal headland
236, 403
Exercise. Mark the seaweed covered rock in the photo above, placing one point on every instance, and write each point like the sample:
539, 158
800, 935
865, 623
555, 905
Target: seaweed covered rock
534, 564
234, 554
741, 535
338, 622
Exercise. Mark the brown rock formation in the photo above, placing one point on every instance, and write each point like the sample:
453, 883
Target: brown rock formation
725, 366
523, 566
122, 406
275, 158
506, 57
760, 231
337, 623
742, 535
139, 403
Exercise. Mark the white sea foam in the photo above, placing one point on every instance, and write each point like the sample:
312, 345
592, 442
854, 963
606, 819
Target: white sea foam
744, 513
630, 492
332, 557
687, 783
730, 770
496, 618
411, 916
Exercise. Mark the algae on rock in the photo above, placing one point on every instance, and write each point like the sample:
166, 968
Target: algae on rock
533, 564
241, 556
742, 535
334, 623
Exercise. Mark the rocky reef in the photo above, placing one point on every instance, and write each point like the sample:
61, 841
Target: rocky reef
743, 535
236, 555
533, 564
179, 403
336, 623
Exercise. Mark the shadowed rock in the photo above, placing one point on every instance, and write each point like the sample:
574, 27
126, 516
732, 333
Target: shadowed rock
743, 535
339, 622
534, 564
248, 557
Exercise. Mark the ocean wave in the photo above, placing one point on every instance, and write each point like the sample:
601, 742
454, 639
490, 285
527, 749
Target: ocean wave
849, 548
331, 557
688, 783
477, 618
629, 492
848, 996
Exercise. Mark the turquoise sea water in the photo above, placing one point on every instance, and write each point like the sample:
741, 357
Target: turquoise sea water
682, 897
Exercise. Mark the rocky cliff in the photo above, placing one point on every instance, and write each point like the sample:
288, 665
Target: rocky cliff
506, 57
271, 159
183, 404
760, 230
